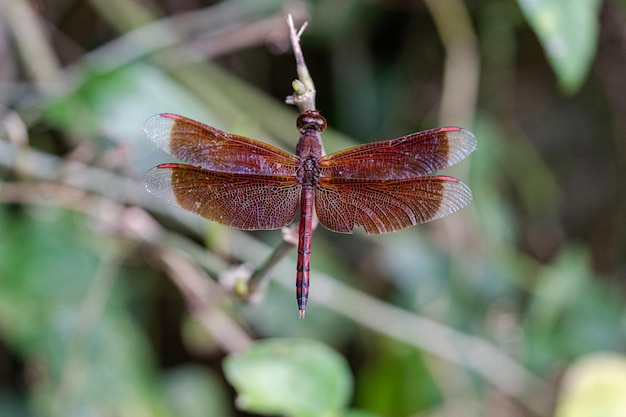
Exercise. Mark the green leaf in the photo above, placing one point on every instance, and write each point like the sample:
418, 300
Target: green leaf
294, 377
568, 32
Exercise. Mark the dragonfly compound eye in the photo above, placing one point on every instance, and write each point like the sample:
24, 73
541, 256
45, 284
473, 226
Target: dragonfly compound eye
311, 119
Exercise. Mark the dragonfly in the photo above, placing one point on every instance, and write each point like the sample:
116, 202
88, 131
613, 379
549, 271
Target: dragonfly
250, 185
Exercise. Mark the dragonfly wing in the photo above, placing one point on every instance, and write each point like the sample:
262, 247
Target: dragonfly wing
202, 145
243, 201
382, 206
408, 156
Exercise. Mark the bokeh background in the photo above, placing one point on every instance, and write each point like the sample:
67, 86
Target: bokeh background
113, 304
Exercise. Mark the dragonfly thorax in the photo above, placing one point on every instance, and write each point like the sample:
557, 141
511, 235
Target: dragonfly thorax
309, 173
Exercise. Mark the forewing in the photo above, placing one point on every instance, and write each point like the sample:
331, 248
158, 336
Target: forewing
408, 156
382, 206
202, 145
248, 202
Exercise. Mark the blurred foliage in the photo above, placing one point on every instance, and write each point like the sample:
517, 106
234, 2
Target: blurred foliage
112, 304
568, 33
300, 378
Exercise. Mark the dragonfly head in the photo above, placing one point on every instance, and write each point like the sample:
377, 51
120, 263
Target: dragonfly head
311, 120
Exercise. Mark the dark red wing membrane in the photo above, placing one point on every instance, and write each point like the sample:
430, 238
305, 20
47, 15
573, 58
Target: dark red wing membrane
248, 202
202, 145
408, 156
382, 206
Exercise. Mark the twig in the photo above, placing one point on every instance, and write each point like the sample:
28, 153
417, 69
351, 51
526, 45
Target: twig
201, 294
259, 279
303, 87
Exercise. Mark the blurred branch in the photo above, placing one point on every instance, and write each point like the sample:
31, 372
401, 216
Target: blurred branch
32, 42
13, 126
215, 30
462, 66
202, 295
186, 37
250, 34
124, 15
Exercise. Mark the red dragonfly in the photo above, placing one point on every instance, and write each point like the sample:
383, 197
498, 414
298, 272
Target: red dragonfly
250, 185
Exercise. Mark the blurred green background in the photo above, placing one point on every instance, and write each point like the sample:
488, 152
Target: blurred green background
112, 304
